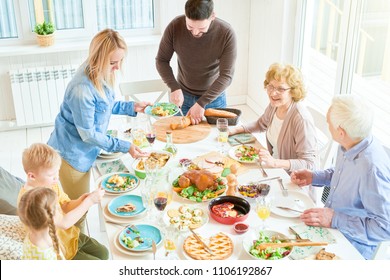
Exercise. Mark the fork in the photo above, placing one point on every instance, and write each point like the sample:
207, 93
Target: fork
284, 189
261, 168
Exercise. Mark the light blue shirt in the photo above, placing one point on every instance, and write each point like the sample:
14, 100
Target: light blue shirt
80, 130
360, 194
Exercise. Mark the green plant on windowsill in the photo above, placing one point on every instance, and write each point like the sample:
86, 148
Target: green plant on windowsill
45, 33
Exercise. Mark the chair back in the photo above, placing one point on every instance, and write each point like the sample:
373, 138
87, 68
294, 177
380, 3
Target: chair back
147, 90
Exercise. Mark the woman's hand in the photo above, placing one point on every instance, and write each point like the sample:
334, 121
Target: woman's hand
236, 130
302, 177
267, 159
140, 106
136, 152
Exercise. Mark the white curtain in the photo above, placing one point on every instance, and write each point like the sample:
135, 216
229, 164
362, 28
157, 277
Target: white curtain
7, 20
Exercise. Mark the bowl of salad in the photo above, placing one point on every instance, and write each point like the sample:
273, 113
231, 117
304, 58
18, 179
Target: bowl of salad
254, 238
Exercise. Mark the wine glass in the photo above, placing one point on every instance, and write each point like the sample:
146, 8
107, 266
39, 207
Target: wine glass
150, 133
263, 210
171, 235
222, 126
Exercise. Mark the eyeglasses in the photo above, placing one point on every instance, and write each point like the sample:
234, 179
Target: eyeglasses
279, 90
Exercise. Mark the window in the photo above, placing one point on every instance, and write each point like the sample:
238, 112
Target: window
70, 17
7, 20
346, 50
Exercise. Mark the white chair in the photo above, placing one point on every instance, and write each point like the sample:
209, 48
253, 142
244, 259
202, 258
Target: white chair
382, 251
326, 146
326, 152
148, 90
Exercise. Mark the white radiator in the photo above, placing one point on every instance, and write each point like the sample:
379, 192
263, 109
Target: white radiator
38, 93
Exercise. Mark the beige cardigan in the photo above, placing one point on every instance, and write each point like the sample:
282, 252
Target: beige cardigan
297, 140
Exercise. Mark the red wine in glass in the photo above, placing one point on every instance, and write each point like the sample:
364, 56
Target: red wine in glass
160, 203
151, 137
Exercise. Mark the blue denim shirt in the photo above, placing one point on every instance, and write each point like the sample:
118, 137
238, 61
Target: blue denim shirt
360, 194
80, 130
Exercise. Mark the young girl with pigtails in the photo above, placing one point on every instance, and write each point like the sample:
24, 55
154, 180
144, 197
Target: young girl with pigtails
38, 211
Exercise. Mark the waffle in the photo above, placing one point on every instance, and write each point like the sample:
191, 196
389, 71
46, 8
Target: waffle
220, 244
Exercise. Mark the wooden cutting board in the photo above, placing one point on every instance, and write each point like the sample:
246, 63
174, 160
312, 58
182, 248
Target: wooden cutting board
190, 134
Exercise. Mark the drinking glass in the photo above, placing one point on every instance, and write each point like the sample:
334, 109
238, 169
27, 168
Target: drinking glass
171, 235
263, 210
147, 191
150, 133
222, 126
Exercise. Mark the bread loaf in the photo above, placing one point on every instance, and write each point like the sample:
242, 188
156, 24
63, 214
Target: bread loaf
219, 113
182, 123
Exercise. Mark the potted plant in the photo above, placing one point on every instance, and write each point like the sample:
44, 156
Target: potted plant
45, 33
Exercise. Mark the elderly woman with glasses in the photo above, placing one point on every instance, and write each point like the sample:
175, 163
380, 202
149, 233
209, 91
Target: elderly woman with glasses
290, 131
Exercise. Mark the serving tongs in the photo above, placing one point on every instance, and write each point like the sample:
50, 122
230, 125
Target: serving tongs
205, 247
264, 246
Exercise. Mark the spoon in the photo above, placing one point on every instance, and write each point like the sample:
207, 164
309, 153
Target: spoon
154, 249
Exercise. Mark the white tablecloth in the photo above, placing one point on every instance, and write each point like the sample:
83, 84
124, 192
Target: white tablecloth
342, 248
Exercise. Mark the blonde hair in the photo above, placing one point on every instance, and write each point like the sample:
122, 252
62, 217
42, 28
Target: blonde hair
102, 46
36, 209
353, 115
39, 156
293, 77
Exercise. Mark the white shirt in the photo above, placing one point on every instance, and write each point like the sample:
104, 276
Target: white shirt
273, 134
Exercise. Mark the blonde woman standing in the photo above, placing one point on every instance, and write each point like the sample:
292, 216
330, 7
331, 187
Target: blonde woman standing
80, 130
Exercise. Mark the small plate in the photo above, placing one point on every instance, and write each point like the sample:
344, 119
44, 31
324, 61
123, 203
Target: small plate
232, 154
111, 189
136, 200
171, 107
294, 200
147, 232
182, 218
108, 155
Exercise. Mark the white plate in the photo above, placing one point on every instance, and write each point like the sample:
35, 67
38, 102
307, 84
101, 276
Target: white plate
232, 154
107, 155
294, 200
206, 234
204, 216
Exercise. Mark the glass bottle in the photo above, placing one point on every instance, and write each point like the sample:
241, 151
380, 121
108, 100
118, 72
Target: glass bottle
169, 146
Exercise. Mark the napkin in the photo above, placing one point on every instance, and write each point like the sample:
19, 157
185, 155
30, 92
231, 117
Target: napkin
316, 234
245, 138
111, 166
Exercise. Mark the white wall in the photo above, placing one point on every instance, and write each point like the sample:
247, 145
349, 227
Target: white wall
271, 40
264, 31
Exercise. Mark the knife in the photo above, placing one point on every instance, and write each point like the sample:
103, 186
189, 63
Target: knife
289, 209
205, 247
267, 179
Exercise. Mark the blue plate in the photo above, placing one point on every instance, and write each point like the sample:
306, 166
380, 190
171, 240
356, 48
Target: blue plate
146, 232
124, 199
173, 109
112, 188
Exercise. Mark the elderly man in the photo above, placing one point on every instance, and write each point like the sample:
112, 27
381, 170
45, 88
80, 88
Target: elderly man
206, 49
359, 200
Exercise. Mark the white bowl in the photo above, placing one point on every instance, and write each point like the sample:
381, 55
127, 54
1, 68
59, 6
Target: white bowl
252, 235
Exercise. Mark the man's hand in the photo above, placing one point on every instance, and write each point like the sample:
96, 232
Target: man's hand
140, 106
302, 177
196, 113
318, 217
177, 97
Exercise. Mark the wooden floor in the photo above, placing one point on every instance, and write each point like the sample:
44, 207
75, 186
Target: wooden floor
12, 144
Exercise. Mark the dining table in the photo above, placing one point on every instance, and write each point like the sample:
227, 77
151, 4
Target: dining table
280, 220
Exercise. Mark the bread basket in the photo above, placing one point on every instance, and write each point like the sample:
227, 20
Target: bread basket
231, 121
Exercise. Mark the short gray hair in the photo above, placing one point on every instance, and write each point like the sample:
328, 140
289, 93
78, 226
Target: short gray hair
353, 115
